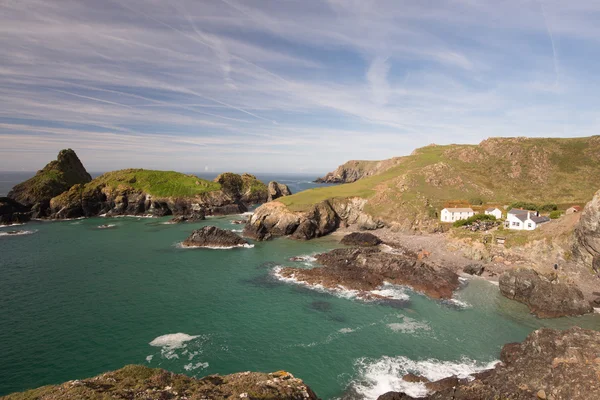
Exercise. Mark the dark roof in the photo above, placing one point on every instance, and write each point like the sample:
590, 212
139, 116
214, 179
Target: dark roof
540, 220
516, 211
491, 209
521, 216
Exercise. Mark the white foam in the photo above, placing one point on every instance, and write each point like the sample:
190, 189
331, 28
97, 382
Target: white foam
376, 377
408, 325
237, 230
339, 291
245, 246
7, 225
346, 330
172, 340
457, 303
149, 358
192, 366
17, 233
248, 213
391, 291
597, 310
129, 216
106, 226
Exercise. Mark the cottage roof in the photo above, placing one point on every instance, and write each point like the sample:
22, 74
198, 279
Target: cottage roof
459, 209
540, 220
492, 209
516, 211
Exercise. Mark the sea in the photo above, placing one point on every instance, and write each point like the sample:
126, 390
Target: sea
77, 300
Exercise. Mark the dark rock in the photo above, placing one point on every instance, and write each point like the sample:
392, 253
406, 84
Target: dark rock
13, 212
546, 299
474, 269
55, 178
140, 382
211, 236
188, 218
239, 221
366, 269
414, 378
562, 365
445, 383
395, 396
277, 190
362, 239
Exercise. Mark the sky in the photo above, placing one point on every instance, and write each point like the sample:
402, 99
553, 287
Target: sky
296, 86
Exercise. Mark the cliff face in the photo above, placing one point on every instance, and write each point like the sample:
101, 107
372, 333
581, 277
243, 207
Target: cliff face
354, 170
139, 382
55, 178
277, 190
275, 219
587, 235
549, 364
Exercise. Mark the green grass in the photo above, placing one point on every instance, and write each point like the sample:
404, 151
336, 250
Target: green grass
499, 171
156, 183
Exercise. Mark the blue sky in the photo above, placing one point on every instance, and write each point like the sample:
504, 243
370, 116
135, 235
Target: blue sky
285, 85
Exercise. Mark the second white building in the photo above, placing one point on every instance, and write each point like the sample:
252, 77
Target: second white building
455, 214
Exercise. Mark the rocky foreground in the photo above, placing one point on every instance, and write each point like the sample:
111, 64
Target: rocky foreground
550, 364
367, 269
139, 382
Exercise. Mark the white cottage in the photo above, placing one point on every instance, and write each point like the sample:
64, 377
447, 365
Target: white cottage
455, 214
524, 220
495, 211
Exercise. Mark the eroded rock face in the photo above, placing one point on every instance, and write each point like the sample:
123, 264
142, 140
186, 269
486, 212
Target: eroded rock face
245, 188
545, 298
275, 219
366, 269
12, 212
361, 239
587, 235
211, 236
474, 269
55, 178
550, 364
140, 382
277, 190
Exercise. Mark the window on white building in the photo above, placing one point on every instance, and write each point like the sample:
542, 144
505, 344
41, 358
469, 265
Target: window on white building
529, 225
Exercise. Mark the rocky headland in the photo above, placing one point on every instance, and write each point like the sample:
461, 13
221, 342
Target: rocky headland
354, 170
213, 237
140, 382
549, 364
277, 190
366, 269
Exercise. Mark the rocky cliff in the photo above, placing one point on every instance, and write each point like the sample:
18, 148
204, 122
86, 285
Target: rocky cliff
354, 170
55, 178
277, 190
13, 212
550, 364
546, 298
140, 382
275, 219
587, 235
245, 188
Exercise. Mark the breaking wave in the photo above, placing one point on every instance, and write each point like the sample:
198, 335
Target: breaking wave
376, 377
17, 233
180, 245
408, 325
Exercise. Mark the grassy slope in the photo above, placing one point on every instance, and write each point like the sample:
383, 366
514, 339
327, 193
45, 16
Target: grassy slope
156, 183
498, 171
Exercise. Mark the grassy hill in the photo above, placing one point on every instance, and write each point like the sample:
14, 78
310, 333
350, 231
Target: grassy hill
156, 183
497, 171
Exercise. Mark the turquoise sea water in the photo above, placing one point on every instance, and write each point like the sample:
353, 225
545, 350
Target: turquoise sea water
76, 301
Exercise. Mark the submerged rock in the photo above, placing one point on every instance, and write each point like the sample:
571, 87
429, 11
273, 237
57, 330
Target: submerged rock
363, 239
211, 236
277, 190
195, 217
545, 298
140, 382
366, 269
551, 364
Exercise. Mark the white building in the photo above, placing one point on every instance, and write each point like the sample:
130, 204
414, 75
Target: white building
524, 220
496, 212
455, 214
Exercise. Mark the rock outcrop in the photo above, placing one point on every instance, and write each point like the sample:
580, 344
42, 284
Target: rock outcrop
275, 219
13, 212
245, 188
194, 217
354, 170
545, 298
550, 364
211, 236
361, 239
277, 190
140, 382
366, 269
474, 269
587, 235
55, 178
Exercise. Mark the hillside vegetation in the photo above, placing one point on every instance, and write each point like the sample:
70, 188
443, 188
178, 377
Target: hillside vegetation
155, 183
498, 171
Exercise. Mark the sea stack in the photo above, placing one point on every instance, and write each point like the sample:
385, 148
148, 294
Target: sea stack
213, 237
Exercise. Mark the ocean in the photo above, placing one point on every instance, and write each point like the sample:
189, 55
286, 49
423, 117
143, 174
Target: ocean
76, 301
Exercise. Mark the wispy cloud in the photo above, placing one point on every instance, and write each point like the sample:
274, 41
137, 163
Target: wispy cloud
253, 85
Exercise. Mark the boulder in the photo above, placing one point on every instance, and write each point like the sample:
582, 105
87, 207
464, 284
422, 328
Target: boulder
474, 269
368, 268
545, 298
141, 382
559, 365
362, 239
55, 178
277, 190
211, 236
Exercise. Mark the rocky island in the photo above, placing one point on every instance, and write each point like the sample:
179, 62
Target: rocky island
213, 237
